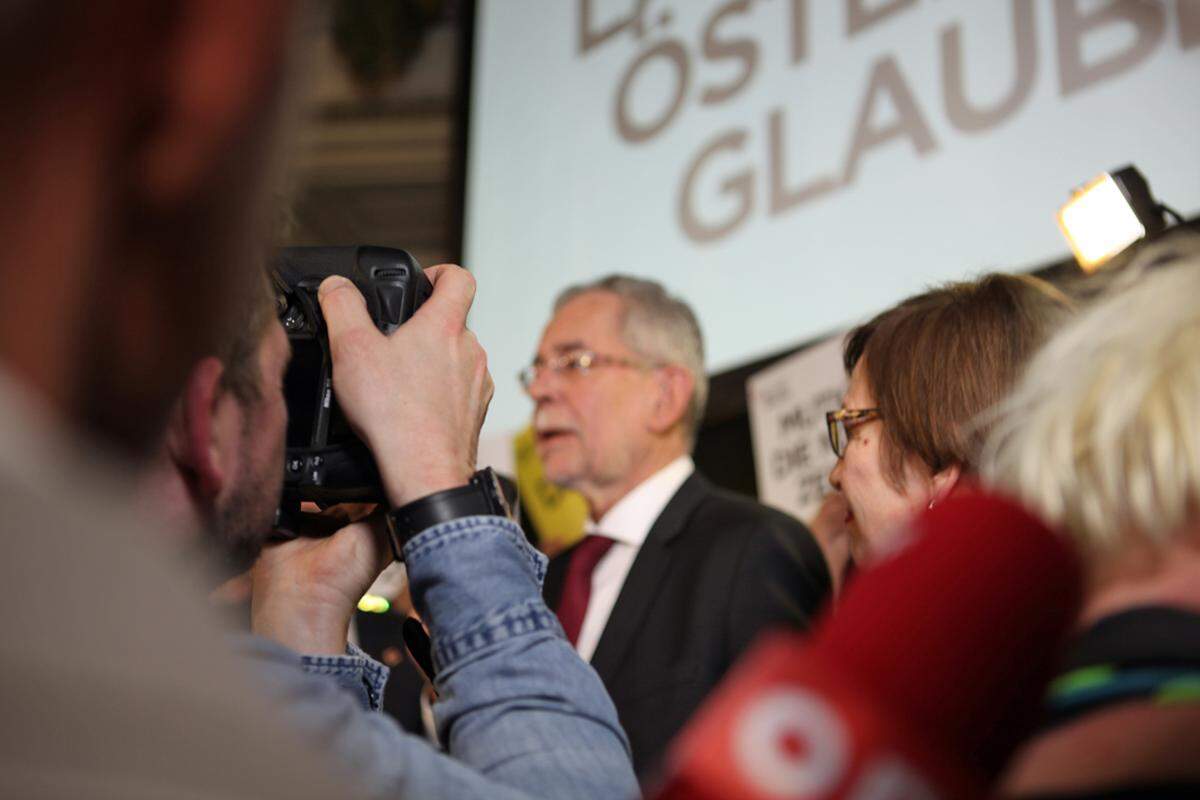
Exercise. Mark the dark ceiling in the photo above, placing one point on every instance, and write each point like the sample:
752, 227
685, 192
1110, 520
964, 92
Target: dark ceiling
380, 164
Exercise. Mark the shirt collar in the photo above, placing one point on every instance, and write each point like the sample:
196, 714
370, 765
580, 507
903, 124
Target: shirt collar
630, 520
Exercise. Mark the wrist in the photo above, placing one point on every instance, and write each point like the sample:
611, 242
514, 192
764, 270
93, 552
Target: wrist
481, 495
308, 627
402, 493
406, 482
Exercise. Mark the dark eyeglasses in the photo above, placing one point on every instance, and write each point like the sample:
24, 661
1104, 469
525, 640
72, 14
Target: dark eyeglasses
579, 362
842, 421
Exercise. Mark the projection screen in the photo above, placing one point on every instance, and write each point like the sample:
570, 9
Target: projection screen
789, 166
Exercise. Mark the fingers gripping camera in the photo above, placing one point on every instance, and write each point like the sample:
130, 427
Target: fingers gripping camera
325, 461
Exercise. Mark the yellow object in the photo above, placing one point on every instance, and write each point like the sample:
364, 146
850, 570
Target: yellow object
558, 514
374, 604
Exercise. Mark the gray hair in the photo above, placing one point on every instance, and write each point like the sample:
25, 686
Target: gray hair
657, 326
1102, 436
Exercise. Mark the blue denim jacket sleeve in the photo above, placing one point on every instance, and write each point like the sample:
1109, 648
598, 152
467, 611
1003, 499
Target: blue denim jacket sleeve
522, 715
356, 672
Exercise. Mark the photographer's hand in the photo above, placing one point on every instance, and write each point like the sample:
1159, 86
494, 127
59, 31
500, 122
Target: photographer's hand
305, 590
417, 397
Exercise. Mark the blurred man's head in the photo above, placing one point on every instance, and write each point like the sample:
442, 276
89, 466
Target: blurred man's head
245, 511
222, 465
133, 171
255, 364
618, 385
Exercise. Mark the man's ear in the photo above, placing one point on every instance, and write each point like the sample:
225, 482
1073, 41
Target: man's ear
673, 394
218, 68
943, 483
202, 436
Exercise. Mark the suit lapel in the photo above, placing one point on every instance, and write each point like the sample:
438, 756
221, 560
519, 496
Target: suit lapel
645, 577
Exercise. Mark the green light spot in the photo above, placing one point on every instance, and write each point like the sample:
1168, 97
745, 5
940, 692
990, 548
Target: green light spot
374, 604
1180, 690
1080, 679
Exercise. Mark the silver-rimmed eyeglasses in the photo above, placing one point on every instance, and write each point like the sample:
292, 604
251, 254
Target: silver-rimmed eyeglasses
577, 362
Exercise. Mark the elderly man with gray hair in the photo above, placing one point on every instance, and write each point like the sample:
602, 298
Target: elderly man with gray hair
1102, 437
675, 577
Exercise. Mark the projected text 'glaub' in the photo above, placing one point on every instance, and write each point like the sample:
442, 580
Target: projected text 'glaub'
744, 166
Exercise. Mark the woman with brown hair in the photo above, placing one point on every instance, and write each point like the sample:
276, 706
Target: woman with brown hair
921, 373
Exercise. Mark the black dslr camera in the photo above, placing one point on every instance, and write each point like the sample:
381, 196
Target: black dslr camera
325, 461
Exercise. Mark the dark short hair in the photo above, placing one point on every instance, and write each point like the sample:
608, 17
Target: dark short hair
938, 359
242, 376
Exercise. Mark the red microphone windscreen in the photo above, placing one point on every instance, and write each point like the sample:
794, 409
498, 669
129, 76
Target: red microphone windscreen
921, 683
959, 632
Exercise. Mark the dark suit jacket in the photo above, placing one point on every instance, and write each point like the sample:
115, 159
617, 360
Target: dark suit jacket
716, 569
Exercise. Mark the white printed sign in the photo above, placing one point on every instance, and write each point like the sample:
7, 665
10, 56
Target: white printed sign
787, 404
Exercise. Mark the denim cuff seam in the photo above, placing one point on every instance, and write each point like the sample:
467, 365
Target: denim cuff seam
374, 676
355, 666
520, 619
470, 528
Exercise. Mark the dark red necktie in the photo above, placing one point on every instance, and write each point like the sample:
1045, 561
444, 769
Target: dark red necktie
577, 584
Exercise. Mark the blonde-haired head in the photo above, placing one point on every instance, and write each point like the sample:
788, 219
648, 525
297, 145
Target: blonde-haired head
1102, 435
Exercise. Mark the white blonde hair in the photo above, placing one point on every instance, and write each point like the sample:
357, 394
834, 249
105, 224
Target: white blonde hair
1102, 435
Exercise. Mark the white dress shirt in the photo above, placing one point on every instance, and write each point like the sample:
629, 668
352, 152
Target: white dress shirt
627, 523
